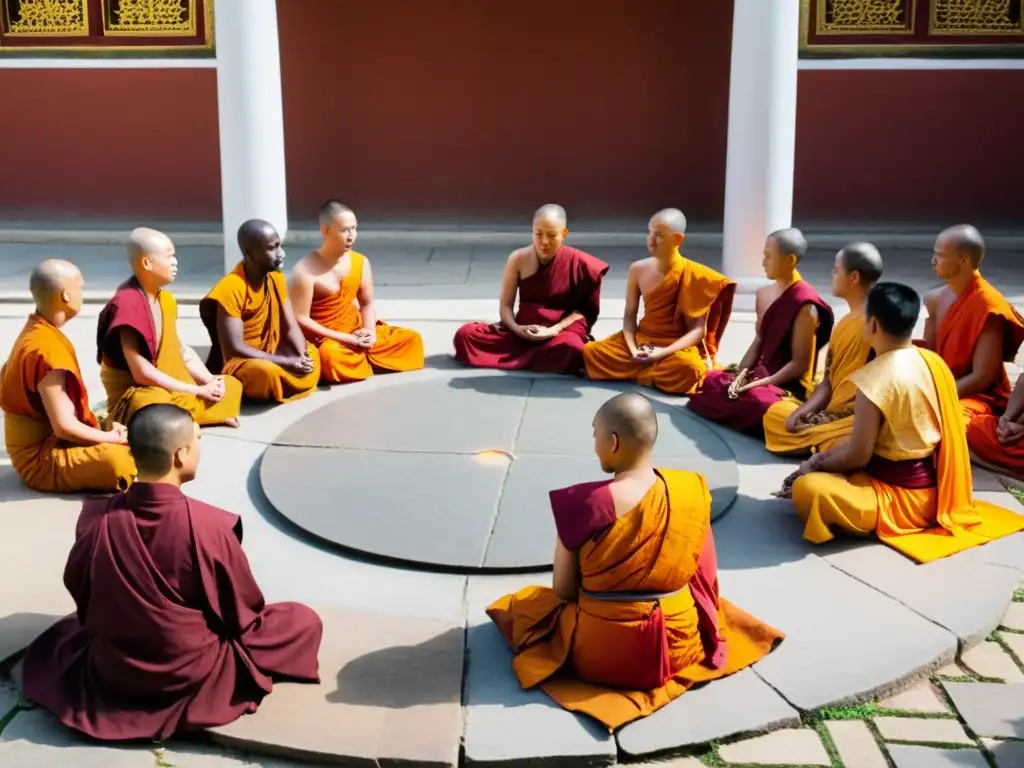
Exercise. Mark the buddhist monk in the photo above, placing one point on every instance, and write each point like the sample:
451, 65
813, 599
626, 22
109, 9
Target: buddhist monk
254, 335
332, 292
142, 359
634, 618
171, 633
792, 324
904, 473
53, 438
998, 442
971, 324
559, 290
686, 309
794, 429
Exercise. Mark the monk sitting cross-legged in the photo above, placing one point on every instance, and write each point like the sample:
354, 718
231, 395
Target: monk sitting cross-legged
971, 324
332, 291
904, 472
253, 332
142, 359
998, 441
171, 633
686, 309
51, 435
559, 291
793, 324
792, 428
634, 618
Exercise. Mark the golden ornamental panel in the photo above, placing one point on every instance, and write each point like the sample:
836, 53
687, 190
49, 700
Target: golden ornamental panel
864, 17
150, 18
45, 18
976, 17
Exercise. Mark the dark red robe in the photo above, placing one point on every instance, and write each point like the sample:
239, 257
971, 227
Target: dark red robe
171, 633
747, 411
570, 282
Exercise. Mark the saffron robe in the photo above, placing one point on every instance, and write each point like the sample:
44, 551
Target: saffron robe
746, 412
848, 351
261, 312
688, 291
42, 460
397, 349
129, 308
618, 660
171, 632
916, 494
569, 283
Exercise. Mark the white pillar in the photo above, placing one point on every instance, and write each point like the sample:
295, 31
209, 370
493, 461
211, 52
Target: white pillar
762, 132
252, 171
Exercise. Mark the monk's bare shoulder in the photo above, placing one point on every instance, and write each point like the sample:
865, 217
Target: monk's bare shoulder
308, 267
763, 298
933, 299
521, 261
643, 266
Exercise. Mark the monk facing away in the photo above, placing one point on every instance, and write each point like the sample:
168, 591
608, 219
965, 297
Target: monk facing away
792, 428
253, 331
686, 309
53, 438
998, 442
971, 324
793, 323
559, 291
904, 473
171, 632
634, 618
332, 291
142, 359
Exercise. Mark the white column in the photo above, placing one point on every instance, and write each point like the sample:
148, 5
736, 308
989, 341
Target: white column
252, 171
762, 132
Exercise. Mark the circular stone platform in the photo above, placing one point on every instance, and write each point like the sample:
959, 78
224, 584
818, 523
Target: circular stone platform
453, 474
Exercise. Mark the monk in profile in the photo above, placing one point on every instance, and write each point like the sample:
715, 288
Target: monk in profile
793, 324
971, 324
634, 618
904, 473
53, 438
792, 428
253, 331
686, 309
171, 633
559, 291
331, 290
142, 359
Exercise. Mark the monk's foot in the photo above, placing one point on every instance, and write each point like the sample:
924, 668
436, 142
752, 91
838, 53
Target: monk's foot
232, 422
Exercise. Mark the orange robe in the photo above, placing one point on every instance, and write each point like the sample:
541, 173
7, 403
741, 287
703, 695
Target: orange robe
983, 441
688, 291
261, 311
916, 494
648, 623
848, 352
397, 349
42, 460
129, 309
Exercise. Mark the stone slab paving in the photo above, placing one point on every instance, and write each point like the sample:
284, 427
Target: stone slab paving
789, 746
1014, 618
856, 744
929, 757
1007, 754
989, 659
990, 709
920, 698
929, 731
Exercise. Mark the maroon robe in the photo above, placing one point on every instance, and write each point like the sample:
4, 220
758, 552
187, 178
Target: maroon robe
747, 411
570, 282
127, 308
171, 633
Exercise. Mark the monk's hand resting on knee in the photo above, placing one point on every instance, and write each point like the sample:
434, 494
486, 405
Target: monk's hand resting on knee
1009, 432
365, 338
119, 432
212, 391
739, 381
300, 365
812, 464
797, 422
539, 333
647, 354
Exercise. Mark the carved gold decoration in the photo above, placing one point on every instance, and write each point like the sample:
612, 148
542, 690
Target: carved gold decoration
37, 18
150, 17
863, 16
974, 17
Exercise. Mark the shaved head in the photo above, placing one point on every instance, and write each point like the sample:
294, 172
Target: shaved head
553, 213
673, 218
630, 416
966, 239
253, 232
331, 210
865, 260
790, 242
155, 433
49, 278
144, 241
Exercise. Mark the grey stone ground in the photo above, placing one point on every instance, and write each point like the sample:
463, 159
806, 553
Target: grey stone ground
861, 622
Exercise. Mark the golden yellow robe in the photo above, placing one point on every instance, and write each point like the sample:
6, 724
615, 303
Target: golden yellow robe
848, 352
659, 547
917, 395
43, 461
124, 396
261, 311
688, 291
397, 349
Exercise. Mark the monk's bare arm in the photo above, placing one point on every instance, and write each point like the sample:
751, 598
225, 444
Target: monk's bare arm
691, 338
632, 309
987, 361
566, 573
1015, 407
231, 332
195, 367
507, 296
566, 321
366, 306
931, 305
144, 373
804, 326
63, 418
291, 331
819, 399
300, 293
854, 453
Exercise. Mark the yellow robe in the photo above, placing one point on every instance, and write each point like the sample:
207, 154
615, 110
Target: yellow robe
43, 461
848, 352
125, 397
261, 311
916, 393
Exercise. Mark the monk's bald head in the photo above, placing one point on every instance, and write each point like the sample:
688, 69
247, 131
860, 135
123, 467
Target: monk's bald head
631, 417
155, 434
549, 230
144, 241
253, 232
50, 279
862, 259
552, 214
672, 218
330, 211
965, 240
